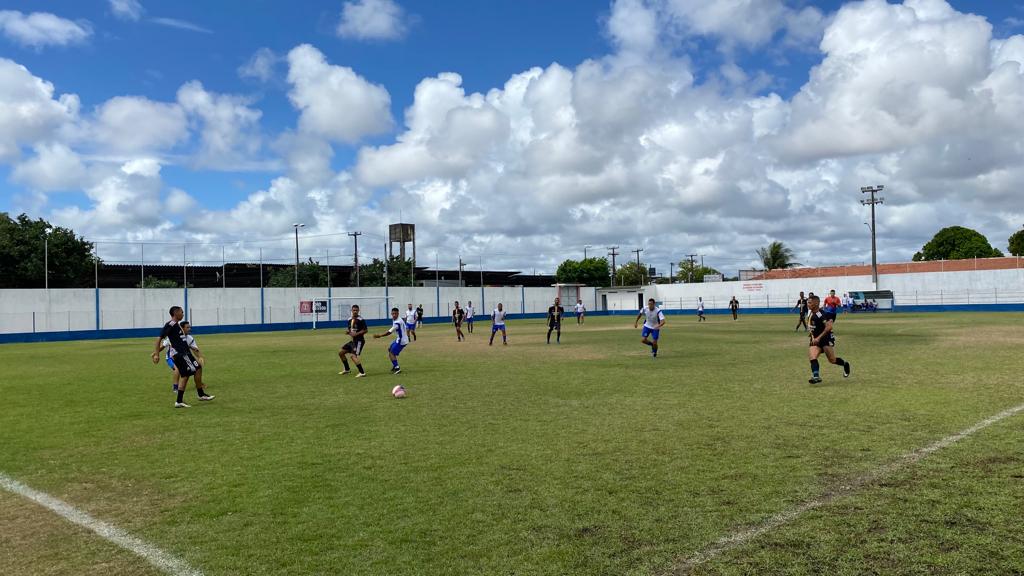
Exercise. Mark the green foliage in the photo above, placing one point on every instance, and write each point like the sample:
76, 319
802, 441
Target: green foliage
589, 271
693, 272
957, 243
1016, 243
22, 255
311, 275
630, 274
399, 272
154, 282
776, 256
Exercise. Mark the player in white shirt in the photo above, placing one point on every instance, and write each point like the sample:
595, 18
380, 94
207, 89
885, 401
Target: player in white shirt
401, 340
581, 311
700, 310
498, 323
469, 316
654, 319
410, 321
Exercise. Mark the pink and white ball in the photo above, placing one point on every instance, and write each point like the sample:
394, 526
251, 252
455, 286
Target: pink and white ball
398, 391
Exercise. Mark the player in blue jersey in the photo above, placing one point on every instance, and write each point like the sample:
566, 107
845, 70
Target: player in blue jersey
401, 340
654, 319
498, 323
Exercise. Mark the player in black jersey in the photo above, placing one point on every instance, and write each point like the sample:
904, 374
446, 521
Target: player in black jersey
458, 315
183, 359
555, 314
801, 307
357, 331
822, 340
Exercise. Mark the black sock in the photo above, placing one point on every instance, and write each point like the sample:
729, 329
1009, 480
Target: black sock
840, 361
344, 363
815, 368
181, 395
200, 392
360, 368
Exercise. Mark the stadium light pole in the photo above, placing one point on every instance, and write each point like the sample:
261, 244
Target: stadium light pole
872, 190
297, 226
585, 248
46, 257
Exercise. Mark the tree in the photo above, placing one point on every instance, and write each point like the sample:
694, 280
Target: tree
399, 272
956, 243
693, 272
311, 275
776, 256
1016, 243
631, 274
23, 259
589, 271
154, 282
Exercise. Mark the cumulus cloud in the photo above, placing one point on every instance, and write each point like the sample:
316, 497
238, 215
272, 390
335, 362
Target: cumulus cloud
29, 113
125, 200
229, 127
260, 66
40, 29
372, 20
335, 102
126, 9
136, 125
55, 166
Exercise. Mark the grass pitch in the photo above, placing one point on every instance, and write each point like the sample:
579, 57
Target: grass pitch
586, 457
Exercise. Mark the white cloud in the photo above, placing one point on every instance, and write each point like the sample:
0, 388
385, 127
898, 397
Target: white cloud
136, 125
126, 9
125, 201
181, 25
372, 20
260, 66
40, 29
334, 101
180, 202
54, 167
229, 128
29, 113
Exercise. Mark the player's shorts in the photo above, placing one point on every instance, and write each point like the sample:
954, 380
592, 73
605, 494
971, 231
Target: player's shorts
458, 323
186, 364
830, 341
354, 347
409, 326
578, 314
700, 312
170, 362
396, 348
652, 332
469, 319
496, 327
555, 325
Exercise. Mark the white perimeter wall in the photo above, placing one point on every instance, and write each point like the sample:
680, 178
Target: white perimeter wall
75, 309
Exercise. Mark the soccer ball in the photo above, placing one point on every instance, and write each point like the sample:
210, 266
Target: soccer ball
398, 391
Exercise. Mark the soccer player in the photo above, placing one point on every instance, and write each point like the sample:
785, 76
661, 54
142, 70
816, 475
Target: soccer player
401, 340
801, 308
832, 304
654, 319
200, 387
581, 311
555, 314
498, 323
822, 340
357, 332
469, 316
734, 306
419, 315
458, 315
182, 356
410, 321
700, 310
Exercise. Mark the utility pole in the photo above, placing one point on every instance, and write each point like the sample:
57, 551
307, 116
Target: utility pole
872, 190
355, 237
297, 226
693, 263
638, 251
670, 269
613, 252
585, 250
461, 266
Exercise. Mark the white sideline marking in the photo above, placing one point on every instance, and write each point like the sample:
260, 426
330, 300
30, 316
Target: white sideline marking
739, 538
155, 556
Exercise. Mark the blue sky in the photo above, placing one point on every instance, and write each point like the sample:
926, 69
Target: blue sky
164, 45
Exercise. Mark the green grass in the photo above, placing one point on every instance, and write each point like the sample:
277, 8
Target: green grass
582, 458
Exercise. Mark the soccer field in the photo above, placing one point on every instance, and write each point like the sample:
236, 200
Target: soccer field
587, 457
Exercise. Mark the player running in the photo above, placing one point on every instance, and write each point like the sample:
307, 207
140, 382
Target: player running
801, 307
822, 340
469, 316
581, 312
555, 314
182, 355
734, 306
357, 331
700, 310
458, 315
410, 321
654, 319
498, 323
401, 340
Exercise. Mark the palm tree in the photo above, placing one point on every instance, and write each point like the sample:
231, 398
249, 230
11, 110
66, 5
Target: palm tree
776, 255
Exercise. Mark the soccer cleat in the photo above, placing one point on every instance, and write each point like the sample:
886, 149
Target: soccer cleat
207, 398
343, 372
815, 380
846, 369
181, 405
361, 375
396, 370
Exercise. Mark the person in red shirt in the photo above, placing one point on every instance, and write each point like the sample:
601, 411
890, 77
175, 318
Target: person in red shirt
832, 303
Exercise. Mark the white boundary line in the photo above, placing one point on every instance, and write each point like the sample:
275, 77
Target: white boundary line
155, 556
741, 537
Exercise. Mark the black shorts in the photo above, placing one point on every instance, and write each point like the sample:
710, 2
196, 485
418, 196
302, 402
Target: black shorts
354, 347
186, 364
829, 341
555, 325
